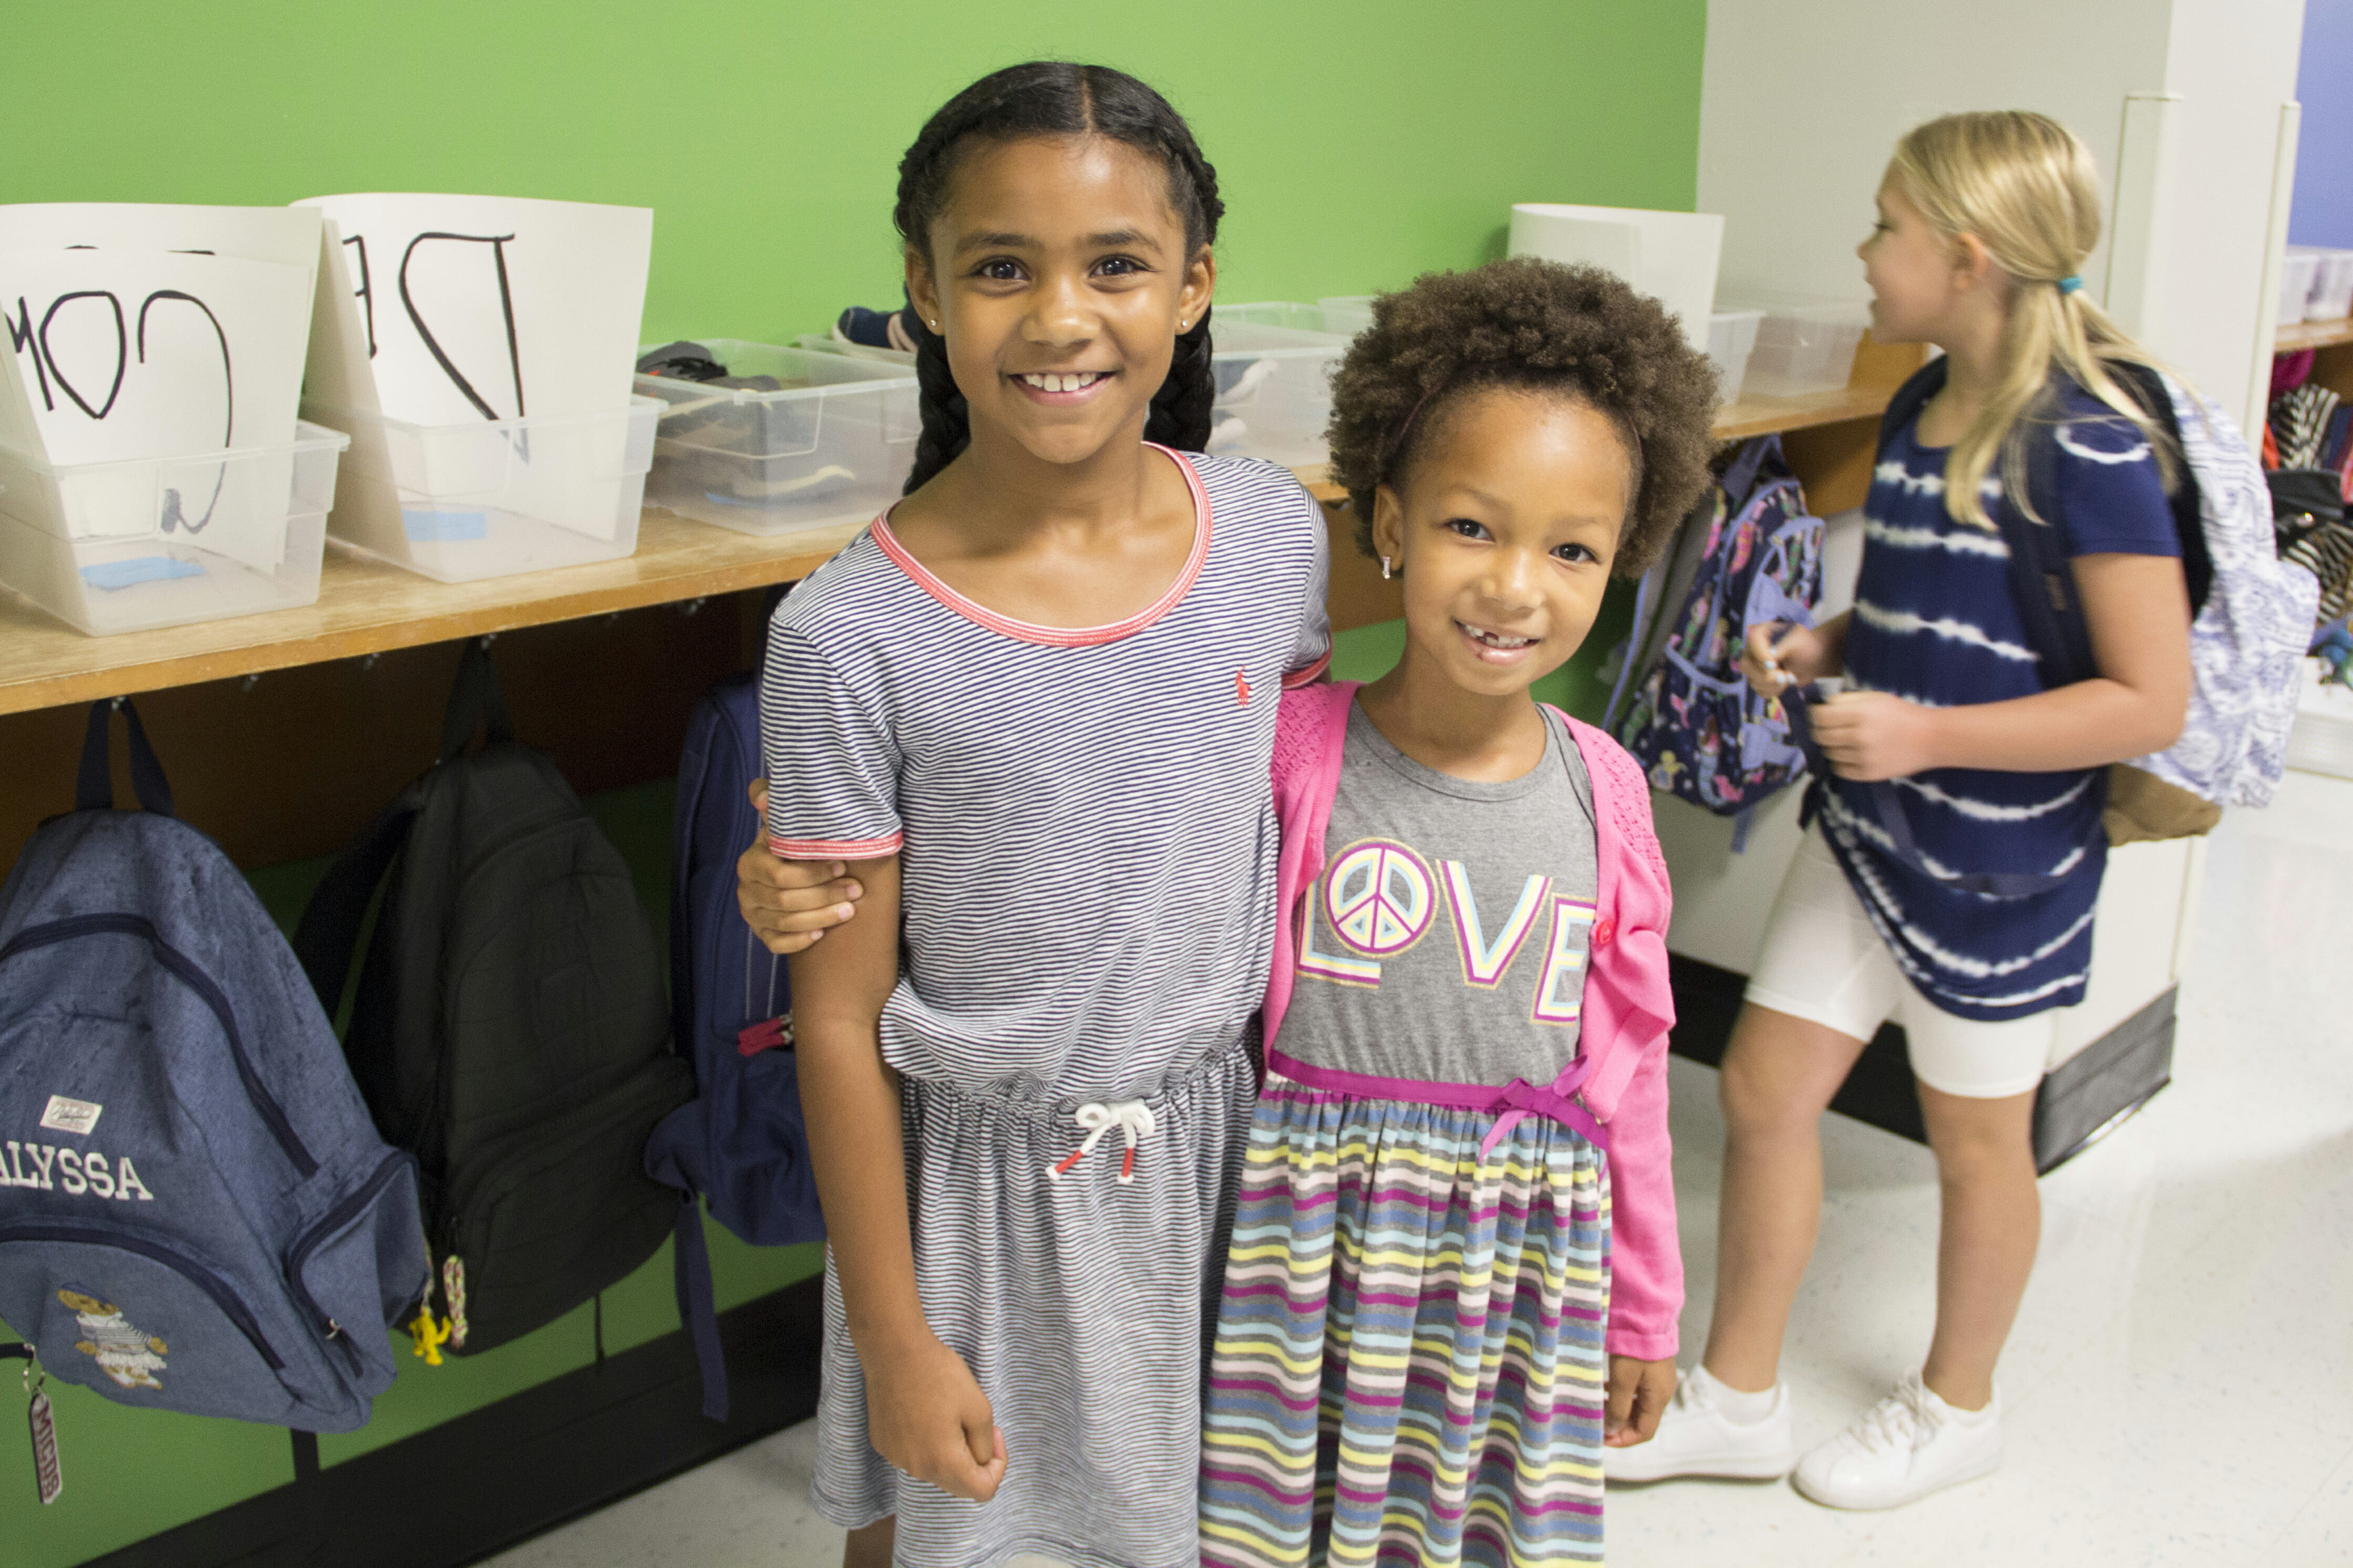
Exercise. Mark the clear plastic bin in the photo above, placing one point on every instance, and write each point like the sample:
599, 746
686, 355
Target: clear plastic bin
130, 546
2299, 272
827, 344
1731, 337
1275, 390
2322, 741
1803, 346
2330, 296
831, 445
1283, 313
460, 502
1347, 313
1274, 382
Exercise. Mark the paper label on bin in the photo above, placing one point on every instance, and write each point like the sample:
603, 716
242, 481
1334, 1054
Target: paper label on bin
454, 309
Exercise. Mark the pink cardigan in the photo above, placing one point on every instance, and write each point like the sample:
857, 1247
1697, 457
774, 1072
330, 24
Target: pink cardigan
1620, 1077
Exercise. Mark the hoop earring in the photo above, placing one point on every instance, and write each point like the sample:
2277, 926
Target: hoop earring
1385, 573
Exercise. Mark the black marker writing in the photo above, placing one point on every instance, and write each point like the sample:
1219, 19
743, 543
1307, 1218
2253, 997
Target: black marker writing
229, 377
122, 350
498, 244
20, 333
365, 294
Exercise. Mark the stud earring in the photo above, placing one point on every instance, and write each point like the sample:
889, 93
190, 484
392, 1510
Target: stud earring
1385, 573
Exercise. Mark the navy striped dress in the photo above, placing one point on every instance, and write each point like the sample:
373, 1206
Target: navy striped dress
1086, 838
1935, 621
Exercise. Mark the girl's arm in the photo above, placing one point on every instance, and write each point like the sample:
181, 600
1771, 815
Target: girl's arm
925, 1412
2137, 608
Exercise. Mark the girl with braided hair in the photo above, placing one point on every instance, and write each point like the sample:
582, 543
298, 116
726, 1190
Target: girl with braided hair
1029, 712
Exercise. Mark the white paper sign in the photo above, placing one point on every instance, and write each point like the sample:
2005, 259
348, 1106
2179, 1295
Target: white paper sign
288, 235
480, 307
124, 355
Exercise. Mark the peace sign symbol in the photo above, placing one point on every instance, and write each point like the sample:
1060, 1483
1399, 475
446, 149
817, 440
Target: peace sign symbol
1379, 897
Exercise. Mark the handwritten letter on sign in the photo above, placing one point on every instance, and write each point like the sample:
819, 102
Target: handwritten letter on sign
456, 309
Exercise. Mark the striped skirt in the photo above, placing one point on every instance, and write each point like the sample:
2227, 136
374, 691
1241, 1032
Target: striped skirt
1408, 1366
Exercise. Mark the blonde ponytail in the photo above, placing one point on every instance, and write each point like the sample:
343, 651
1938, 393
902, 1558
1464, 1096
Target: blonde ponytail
2027, 188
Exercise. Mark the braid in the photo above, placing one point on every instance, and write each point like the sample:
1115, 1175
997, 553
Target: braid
1054, 97
1180, 414
947, 423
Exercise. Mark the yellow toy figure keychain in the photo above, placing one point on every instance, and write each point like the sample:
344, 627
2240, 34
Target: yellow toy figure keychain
428, 1336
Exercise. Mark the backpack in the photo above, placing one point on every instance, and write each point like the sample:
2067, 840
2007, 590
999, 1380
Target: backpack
1694, 724
740, 1142
509, 1028
195, 1214
2252, 615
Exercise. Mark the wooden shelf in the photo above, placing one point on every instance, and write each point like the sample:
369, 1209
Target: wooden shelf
365, 606
2298, 336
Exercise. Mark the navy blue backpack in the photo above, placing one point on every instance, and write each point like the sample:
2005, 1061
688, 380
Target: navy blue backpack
195, 1211
740, 1143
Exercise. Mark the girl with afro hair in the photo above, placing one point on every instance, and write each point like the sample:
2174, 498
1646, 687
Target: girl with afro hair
1453, 1274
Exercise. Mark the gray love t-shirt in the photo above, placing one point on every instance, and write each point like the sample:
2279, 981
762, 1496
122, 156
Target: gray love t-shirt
1446, 939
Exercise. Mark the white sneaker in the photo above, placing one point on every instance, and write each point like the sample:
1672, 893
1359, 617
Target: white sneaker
1908, 1444
1696, 1439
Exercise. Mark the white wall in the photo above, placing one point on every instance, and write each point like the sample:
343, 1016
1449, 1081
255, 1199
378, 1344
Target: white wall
1801, 101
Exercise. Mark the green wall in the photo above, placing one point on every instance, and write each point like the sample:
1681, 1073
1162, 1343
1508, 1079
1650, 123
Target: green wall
1357, 145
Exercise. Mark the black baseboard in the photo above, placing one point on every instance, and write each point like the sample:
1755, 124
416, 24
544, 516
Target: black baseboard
2082, 1101
474, 1486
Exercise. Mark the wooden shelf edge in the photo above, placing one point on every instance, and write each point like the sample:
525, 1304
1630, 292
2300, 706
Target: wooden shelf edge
367, 606
2298, 336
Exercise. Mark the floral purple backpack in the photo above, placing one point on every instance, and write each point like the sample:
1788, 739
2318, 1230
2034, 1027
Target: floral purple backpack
1692, 721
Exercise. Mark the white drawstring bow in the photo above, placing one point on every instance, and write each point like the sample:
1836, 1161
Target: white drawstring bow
1132, 1116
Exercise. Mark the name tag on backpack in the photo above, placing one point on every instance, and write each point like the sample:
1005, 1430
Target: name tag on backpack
79, 1117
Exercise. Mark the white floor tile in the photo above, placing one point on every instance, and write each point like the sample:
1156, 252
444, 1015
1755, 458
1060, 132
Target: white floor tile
2179, 1385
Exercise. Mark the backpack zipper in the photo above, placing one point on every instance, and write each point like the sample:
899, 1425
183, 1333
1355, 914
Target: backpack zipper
333, 1221
188, 1268
265, 1104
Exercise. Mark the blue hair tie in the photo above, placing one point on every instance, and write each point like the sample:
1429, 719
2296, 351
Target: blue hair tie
2069, 284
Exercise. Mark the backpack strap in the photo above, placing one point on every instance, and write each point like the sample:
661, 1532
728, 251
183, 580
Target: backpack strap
94, 787
329, 931
475, 701
697, 1308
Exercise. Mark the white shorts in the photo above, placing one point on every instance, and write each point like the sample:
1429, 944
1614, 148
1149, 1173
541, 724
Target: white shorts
1823, 962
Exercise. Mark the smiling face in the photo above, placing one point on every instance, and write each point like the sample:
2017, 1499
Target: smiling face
1915, 274
1503, 526
1060, 276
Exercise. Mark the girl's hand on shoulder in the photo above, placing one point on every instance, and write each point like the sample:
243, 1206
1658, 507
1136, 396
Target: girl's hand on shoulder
1778, 656
1639, 1391
926, 1415
1870, 735
789, 904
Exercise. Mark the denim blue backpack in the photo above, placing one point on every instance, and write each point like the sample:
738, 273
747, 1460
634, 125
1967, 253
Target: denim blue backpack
195, 1211
1695, 726
740, 1142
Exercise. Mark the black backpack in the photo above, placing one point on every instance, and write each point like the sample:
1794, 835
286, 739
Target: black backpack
511, 1027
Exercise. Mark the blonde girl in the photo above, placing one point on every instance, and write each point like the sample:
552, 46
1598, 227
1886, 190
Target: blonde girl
1985, 220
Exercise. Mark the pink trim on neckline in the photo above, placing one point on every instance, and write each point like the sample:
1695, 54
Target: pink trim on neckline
1062, 636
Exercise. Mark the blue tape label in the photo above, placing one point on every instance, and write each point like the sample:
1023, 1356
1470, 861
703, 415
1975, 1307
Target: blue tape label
426, 526
114, 574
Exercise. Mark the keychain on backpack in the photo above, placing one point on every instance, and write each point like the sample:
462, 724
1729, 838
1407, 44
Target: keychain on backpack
47, 1479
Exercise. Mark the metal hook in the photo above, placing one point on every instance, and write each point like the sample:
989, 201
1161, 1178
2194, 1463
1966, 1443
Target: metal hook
369, 662
114, 704
691, 607
249, 682
487, 638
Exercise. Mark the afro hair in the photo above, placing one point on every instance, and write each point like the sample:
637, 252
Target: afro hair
1540, 326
